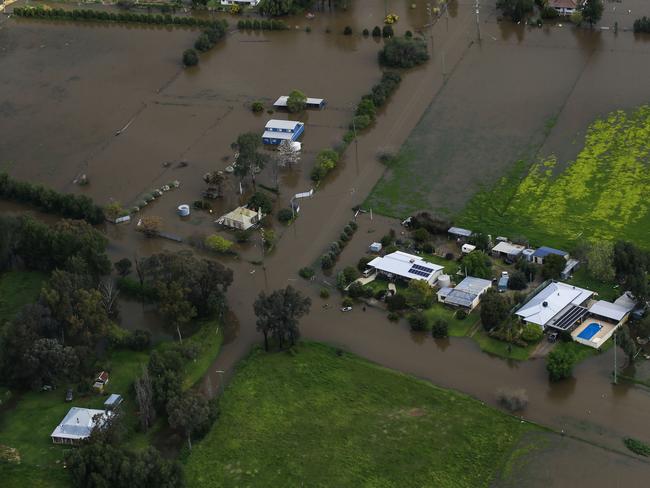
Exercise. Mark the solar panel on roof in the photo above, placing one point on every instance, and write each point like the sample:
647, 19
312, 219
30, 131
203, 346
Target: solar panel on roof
422, 268
418, 270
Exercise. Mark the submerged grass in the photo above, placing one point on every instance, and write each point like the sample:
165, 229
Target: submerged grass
604, 194
17, 289
322, 418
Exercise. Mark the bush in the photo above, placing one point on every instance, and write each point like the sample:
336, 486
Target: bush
365, 33
353, 225
138, 340
190, 58
512, 400
428, 248
261, 201
461, 314
408, 34
326, 261
417, 321
449, 256
243, 236
637, 447
257, 107
403, 53
362, 264
393, 316
306, 272
396, 303
360, 122
559, 364
549, 13
387, 31
347, 31
347, 302
324, 293
642, 25
285, 215
217, 243
356, 290
326, 161
517, 281
532, 333
376, 31
440, 329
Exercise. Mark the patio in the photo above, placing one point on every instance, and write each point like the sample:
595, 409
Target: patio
594, 332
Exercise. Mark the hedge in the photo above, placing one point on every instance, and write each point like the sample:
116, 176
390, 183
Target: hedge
249, 24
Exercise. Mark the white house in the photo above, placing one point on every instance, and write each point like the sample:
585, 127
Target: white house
241, 218
558, 305
565, 7
78, 424
241, 3
406, 266
466, 294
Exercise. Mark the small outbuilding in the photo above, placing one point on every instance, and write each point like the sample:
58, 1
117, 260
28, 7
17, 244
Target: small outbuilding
466, 294
459, 233
507, 250
113, 402
101, 381
319, 103
542, 252
571, 265
241, 218
375, 247
467, 248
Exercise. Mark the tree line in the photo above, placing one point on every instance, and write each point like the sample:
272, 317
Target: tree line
103, 16
206, 41
248, 24
642, 25
50, 201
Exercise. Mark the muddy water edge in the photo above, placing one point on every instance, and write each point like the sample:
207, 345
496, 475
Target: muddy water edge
121, 73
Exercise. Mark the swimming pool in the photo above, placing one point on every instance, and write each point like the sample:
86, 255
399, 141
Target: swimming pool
590, 331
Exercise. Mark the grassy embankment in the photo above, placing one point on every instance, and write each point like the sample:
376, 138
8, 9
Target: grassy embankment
26, 425
318, 418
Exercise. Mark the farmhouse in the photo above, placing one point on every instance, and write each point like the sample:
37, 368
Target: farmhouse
542, 252
406, 266
558, 305
78, 424
311, 102
565, 7
466, 294
277, 131
507, 250
241, 218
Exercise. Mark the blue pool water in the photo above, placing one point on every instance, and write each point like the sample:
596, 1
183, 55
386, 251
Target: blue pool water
590, 331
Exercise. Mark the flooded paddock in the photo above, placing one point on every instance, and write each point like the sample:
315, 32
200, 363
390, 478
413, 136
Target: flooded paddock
67, 88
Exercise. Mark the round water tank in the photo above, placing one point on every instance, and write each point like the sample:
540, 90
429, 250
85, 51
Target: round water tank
183, 210
444, 281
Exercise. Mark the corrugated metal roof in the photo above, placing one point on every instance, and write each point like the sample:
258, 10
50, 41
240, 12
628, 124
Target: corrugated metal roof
544, 251
282, 124
459, 231
401, 264
508, 248
551, 301
78, 423
609, 310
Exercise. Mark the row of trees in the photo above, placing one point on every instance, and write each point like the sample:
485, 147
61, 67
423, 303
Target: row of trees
278, 315
50, 201
642, 25
263, 24
206, 41
403, 52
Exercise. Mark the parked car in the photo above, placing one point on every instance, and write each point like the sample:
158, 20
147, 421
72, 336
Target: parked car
69, 395
552, 337
346, 309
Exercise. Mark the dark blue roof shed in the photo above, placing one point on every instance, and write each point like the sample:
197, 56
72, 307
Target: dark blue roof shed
544, 251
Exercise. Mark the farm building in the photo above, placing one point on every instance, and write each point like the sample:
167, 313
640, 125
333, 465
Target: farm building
466, 294
558, 305
318, 103
507, 250
277, 131
459, 233
113, 401
241, 218
77, 425
542, 252
406, 266
101, 381
565, 7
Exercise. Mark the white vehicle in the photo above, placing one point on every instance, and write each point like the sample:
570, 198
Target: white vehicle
504, 273
346, 309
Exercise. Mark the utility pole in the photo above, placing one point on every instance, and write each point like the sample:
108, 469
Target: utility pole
430, 12
478, 26
356, 145
220, 373
615, 347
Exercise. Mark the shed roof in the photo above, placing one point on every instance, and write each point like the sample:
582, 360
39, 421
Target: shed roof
113, 399
405, 265
609, 310
282, 124
459, 231
473, 285
282, 101
552, 300
79, 422
508, 248
544, 251
270, 134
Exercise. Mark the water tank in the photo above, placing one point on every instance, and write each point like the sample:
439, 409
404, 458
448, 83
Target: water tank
183, 210
444, 281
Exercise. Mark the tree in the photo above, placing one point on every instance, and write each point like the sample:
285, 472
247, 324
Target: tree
249, 160
190, 58
625, 341
440, 329
387, 31
260, 201
278, 314
288, 155
144, 397
150, 226
396, 303
494, 309
174, 305
203, 43
553, 266
592, 11
517, 281
189, 413
123, 266
376, 31
403, 53
477, 264
559, 364
47, 361
515, 9
600, 260
217, 243
275, 8
532, 333
421, 235
576, 17
297, 101
165, 369
419, 294
418, 321
215, 179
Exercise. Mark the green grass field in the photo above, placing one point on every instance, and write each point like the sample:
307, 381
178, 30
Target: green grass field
457, 328
316, 418
17, 289
604, 194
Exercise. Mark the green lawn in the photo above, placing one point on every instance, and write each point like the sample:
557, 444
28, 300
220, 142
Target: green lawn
606, 291
451, 267
457, 328
321, 419
17, 289
603, 194
500, 348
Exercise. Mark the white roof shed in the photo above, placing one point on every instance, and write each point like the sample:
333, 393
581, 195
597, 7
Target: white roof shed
609, 310
407, 266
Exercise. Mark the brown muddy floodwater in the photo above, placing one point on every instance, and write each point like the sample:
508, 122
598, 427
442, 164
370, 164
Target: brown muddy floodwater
66, 89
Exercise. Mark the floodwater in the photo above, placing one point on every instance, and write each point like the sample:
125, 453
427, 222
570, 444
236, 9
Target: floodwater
67, 88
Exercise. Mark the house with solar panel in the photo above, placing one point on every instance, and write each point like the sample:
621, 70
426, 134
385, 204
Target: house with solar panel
466, 294
277, 131
406, 266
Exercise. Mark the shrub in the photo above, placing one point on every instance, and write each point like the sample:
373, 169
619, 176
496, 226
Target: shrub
324, 293
532, 333
461, 314
403, 53
308, 29
449, 256
138, 340
365, 33
257, 107
559, 364
202, 43
512, 400
217, 243
353, 225
549, 13
440, 329
326, 261
306, 272
347, 302
363, 263
396, 303
417, 321
517, 281
637, 447
428, 248
347, 31
376, 31
387, 31
356, 290
408, 34
242, 236
393, 316
642, 25
190, 58
326, 161
285, 215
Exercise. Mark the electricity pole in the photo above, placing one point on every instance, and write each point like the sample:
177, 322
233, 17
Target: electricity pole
478, 26
430, 12
615, 347
356, 145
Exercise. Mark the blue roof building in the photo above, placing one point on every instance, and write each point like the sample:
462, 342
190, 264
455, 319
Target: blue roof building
277, 131
542, 252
